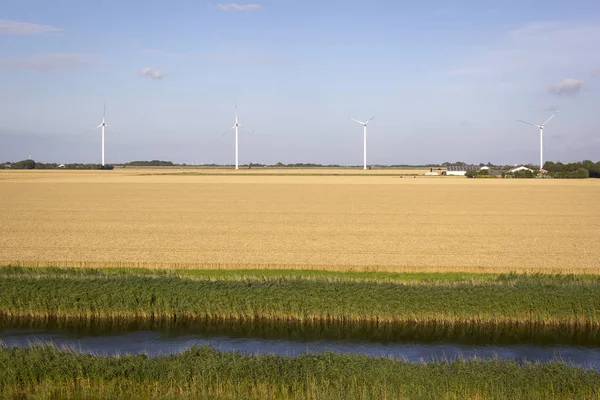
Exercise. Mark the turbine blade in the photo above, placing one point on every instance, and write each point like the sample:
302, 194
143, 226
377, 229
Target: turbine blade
357, 121
372, 118
104, 115
236, 116
548, 120
227, 131
528, 123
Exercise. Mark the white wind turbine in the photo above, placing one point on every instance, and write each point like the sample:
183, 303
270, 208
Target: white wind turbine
103, 126
541, 126
364, 124
237, 127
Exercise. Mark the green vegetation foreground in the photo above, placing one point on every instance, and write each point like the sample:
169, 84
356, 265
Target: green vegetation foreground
45, 372
96, 294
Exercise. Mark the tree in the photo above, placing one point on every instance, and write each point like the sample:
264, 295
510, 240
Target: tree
153, 163
25, 164
471, 173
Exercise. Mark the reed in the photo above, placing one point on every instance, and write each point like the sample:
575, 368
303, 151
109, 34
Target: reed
423, 333
95, 294
45, 372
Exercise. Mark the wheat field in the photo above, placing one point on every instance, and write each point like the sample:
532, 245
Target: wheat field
343, 221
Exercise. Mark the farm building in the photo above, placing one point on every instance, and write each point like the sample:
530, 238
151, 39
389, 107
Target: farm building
521, 168
433, 173
461, 170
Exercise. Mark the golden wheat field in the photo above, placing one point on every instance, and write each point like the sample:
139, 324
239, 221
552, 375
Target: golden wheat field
169, 219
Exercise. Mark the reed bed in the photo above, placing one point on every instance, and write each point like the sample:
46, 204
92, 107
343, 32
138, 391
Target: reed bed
379, 223
45, 372
96, 294
422, 333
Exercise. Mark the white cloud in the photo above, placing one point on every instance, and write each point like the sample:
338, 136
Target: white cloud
24, 28
151, 73
568, 87
238, 7
50, 62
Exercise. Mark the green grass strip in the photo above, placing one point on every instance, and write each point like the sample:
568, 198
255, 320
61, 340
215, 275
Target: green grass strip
263, 274
43, 372
539, 299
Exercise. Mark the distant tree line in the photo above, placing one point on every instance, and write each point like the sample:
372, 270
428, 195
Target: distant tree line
575, 170
305, 165
153, 163
31, 164
484, 173
25, 164
525, 174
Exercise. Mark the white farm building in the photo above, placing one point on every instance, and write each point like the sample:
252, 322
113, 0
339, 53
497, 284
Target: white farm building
521, 168
461, 170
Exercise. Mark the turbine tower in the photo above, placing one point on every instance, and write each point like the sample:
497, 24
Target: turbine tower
103, 126
541, 126
364, 124
237, 127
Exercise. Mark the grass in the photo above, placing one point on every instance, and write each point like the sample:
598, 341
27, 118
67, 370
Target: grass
46, 373
568, 300
337, 223
262, 274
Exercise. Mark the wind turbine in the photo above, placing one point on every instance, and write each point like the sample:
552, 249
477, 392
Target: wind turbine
237, 127
541, 126
103, 126
364, 124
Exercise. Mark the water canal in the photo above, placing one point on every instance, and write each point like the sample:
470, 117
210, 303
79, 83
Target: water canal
415, 343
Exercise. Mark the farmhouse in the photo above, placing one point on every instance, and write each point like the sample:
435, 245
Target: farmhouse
461, 170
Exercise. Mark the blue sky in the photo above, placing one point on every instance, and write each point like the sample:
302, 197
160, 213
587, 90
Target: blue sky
448, 80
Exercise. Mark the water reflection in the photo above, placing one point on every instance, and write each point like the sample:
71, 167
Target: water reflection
472, 334
413, 342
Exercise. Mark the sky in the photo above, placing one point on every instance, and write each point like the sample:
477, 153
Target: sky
449, 79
